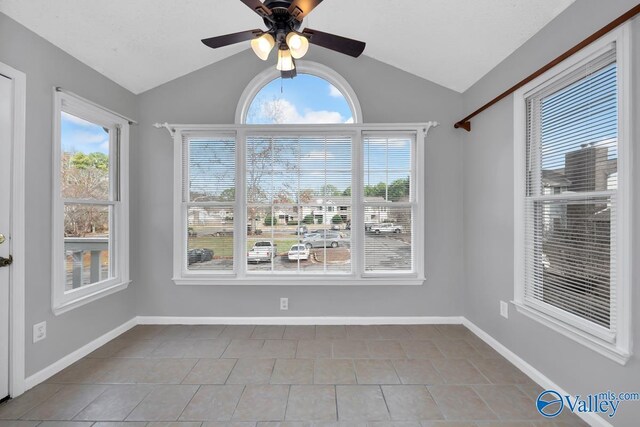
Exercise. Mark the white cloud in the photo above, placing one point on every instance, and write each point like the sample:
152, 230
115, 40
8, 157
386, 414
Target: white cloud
349, 120
334, 91
283, 111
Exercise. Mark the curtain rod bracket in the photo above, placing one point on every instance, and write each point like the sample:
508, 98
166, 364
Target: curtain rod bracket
464, 125
166, 126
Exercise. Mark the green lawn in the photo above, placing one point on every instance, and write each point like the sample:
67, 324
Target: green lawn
223, 246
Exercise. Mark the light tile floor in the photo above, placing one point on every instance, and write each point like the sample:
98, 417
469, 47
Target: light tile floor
249, 376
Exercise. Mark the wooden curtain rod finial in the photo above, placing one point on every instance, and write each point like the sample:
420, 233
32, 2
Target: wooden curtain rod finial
464, 125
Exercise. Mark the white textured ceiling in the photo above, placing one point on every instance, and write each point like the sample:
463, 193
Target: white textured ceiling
141, 44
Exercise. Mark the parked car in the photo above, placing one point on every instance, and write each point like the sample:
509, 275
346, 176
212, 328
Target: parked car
303, 229
322, 239
368, 225
191, 232
335, 227
298, 252
386, 227
199, 255
262, 251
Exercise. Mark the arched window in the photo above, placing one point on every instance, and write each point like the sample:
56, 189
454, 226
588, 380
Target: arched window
316, 95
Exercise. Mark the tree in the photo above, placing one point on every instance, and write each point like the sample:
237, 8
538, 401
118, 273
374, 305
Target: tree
347, 191
270, 220
228, 195
329, 190
308, 219
85, 176
337, 219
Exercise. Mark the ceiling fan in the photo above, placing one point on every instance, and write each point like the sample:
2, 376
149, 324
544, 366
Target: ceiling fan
283, 19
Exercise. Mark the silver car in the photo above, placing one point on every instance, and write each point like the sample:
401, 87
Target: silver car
322, 239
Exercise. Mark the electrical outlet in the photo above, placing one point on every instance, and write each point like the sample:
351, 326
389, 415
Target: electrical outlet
39, 331
284, 303
504, 309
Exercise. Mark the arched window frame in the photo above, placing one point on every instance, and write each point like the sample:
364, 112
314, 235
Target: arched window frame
303, 67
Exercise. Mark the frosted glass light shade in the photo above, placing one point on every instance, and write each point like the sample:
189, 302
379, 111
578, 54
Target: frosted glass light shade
285, 61
262, 45
298, 45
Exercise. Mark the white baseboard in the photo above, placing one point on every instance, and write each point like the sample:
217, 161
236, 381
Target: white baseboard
71, 358
537, 376
381, 320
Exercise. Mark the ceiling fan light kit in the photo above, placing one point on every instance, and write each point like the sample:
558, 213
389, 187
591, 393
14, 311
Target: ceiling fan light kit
283, 19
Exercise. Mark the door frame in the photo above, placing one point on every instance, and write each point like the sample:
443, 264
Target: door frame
17, 233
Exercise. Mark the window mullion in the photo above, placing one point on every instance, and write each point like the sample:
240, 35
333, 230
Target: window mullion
357, 205
240, 207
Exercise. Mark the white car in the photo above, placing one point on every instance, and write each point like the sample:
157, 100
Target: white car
386, 227
262, 252
298, 252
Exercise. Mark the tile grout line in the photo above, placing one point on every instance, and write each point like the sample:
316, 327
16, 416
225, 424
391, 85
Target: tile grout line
189, 402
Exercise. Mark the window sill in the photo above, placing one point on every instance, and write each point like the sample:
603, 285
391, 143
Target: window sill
65, 306
298, 281
604, 348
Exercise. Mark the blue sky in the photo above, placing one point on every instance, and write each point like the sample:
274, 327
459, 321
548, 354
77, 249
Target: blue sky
78, 135
303, 99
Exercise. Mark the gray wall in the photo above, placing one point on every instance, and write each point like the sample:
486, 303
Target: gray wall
210, 95
47, 66
488, 216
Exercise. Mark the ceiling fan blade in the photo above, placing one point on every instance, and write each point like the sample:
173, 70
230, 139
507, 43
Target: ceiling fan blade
258, 7
220, 41
301, 8
338, 43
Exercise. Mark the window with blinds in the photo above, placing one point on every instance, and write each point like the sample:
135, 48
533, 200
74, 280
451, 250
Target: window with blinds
209, 179
570, 206
298, 195
327, 202
388, 201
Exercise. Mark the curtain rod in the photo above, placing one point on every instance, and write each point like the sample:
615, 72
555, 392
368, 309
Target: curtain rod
131, 121
466, 124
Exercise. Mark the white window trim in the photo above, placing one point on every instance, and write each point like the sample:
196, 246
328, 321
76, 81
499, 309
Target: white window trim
181, 276
303, 67
62, 301
618, 347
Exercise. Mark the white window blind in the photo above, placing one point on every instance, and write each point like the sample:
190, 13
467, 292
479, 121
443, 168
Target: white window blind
388, 201
298, 191
571, 192
209, 177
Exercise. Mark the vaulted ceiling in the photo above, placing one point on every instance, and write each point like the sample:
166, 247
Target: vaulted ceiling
141, 44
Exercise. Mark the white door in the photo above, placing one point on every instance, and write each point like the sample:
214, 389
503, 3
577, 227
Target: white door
6, 136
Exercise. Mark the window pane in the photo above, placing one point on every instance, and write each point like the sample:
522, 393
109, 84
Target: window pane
211, 169
210, 238
570, 252
87, 244
388, 239
387, 168
578, 133
308, 186
84, 160
305, 99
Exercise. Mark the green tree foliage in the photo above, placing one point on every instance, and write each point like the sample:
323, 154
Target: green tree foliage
308, 219
329, 190
337, 219
270, 220
396, 191
228, 195
347, 191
